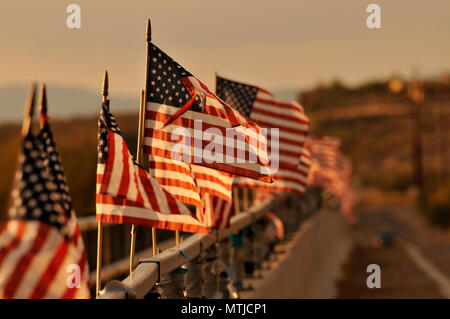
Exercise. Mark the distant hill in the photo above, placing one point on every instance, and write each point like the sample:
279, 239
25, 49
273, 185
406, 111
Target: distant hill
375, 128
64, 102
287, 94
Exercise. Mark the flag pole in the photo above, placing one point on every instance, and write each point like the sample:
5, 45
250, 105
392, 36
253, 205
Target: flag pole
139, 159
245, 197
26, 123
253, 195
177, 237
148, 39
237, 207
29, 110
105, 86
43, 107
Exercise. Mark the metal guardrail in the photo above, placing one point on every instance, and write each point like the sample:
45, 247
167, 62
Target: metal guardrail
150, 270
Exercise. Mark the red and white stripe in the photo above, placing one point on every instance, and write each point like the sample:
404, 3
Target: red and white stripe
34, 261
325, 149
207, 189
216, 190
289, 118
332, 170
305, 162
247, 158
213, 182
286, 179
126, 193
217, 212
176, 178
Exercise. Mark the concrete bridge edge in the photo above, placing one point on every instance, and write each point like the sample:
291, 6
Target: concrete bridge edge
314, 262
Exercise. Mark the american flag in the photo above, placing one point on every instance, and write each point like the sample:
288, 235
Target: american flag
126, 193
324, 148
324, 152
217, 212
213, 182
305, 162
277, 227
332, 170
266, 111
286, 179
314, 171
41, 244
177, 100
207, 189
177, 178
216, 190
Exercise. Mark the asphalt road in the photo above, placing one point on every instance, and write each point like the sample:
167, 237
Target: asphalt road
417, 265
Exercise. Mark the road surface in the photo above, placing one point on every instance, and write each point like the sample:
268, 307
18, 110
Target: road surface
416, 266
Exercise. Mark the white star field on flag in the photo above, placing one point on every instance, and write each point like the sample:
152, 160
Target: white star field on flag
166, 84
40, 191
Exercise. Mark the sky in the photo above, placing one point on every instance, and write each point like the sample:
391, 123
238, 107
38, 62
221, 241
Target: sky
273, 44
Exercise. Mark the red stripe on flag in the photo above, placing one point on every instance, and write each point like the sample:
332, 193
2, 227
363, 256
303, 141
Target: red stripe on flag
24, 263
125, 179
109, 163
51, 271
118, 201
290, 106
276, 116
14, 243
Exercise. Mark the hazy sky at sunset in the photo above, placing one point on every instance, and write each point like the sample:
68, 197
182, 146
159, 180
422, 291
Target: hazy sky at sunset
274, 44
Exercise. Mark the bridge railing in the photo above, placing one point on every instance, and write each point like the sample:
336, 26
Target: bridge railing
197, 248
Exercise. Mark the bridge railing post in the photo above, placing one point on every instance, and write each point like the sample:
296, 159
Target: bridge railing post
236, 259
195, 277
259, 245
171, 285
209, 275
227, 274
